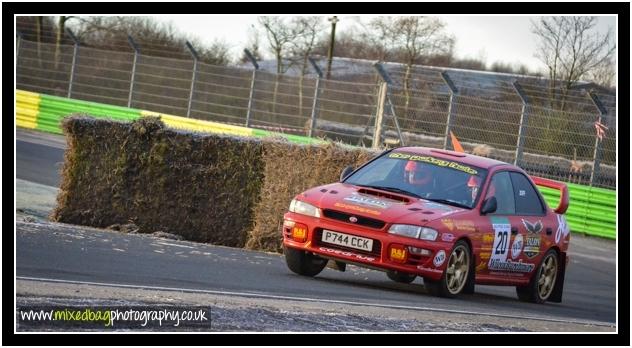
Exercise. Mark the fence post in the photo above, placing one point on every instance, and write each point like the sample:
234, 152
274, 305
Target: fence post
451, 108
314, 115
131, 84
18, 44
386, 78
195, 63
524, 121
598, 142
75, 51
253, 61
379, 115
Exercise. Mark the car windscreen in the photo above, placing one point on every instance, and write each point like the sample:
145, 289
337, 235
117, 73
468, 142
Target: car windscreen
427, 177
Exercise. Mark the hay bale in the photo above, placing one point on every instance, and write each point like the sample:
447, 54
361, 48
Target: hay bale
289, 170
201, 187
207, 188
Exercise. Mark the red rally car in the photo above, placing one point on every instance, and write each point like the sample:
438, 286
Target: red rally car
452, 218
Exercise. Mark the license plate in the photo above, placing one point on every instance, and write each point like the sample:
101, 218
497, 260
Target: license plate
347, 240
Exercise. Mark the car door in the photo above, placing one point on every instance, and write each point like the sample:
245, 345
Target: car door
534, 227
495, 253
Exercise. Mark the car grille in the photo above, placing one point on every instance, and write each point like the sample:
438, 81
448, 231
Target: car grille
375, 251
362, 221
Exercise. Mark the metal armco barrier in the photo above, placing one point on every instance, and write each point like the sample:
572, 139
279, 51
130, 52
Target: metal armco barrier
45, 112
591, 210
26, 109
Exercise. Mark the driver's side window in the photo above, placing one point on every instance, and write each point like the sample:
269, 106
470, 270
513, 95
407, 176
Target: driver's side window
501, 188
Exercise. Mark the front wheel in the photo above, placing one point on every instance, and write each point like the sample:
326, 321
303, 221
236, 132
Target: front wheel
542, 283
455, 277
400, 277
300, 262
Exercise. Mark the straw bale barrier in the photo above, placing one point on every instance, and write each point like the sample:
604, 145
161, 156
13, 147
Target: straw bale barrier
198, 186
289, 170
208, 188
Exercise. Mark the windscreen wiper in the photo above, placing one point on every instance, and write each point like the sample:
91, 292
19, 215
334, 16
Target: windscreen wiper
449, 201
393, 189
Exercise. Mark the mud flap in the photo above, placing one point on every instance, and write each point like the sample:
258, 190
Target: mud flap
337, 265
558, 288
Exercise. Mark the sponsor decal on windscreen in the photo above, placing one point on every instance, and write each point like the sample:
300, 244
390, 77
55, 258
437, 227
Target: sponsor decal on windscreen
438, 162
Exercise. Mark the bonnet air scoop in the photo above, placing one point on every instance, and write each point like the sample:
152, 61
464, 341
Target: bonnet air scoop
384, 194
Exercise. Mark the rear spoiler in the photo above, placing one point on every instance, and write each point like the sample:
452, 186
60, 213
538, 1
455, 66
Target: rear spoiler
556, 185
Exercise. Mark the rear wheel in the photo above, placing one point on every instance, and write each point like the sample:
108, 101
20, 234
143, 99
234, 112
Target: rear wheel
456, 275
300, 262
542, 283
400, 277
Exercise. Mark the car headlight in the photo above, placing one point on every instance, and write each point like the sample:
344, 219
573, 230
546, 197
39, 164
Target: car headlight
301, 207
412, 231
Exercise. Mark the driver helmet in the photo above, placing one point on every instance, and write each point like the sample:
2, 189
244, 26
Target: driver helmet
417, 174
474, 183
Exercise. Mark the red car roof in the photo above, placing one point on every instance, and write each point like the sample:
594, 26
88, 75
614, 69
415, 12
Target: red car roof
473, 160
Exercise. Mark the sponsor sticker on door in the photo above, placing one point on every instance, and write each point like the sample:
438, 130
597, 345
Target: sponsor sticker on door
516, 246
532, 240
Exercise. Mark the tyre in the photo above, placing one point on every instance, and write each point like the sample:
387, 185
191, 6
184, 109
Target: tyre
456, 275
400, 277
542, 283
302, 263
471, 279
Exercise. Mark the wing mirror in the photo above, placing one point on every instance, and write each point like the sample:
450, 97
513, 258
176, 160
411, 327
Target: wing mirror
345, 172
489, 206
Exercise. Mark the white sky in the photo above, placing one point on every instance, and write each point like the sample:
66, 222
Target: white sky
494, 38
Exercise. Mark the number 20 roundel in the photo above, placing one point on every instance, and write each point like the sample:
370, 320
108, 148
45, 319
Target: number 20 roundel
500, 247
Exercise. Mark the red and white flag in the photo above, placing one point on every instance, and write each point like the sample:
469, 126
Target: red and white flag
601, 129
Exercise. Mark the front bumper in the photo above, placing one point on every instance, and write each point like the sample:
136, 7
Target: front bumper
380, 255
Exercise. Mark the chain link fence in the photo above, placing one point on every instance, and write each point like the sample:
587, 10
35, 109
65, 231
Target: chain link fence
512, 118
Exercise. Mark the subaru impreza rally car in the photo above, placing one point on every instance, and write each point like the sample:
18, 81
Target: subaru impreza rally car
454, 219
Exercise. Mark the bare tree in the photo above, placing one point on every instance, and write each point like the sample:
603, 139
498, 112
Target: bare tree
61, 28
372, 42
354, 43
469, 63
307, 29
604, 74
302, 47
253, 44
112, 32
571, 48
501, 67
154, 38
504, 67
281, 33
412, 37
215, 53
